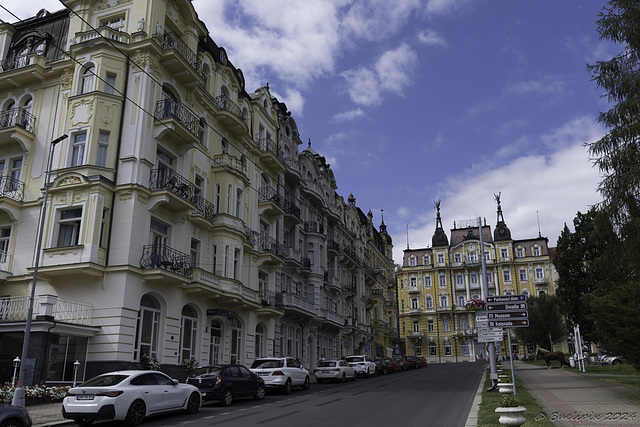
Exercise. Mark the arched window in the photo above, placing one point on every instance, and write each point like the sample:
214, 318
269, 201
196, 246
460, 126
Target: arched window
429, 302
23, 117
87, 79
461, 301
446, 347
259, 344
414, 303
147, 328
216, 342
433, 349
188, 333
444, 301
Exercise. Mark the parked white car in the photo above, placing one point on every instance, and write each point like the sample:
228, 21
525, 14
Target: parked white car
363, 364
335, 370
128, 396
281, 373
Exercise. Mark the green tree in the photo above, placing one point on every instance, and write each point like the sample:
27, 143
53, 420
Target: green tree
546, 322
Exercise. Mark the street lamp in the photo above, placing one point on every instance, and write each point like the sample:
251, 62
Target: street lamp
16, 365
76, 365
18, 395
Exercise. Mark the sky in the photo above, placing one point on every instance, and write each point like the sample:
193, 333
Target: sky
414, 101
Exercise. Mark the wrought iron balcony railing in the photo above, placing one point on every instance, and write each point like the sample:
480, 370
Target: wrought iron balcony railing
172, 109
225, 103
204, 208
268, 193
165, 257
168, 179
11, 188
172, 41
271, 245
18, 117
14, 62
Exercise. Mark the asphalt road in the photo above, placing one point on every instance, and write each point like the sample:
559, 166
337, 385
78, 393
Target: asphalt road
438, 395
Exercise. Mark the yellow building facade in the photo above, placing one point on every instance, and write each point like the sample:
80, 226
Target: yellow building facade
436, 282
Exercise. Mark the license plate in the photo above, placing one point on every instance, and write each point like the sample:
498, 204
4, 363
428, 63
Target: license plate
84, 397
325, 371
263, 374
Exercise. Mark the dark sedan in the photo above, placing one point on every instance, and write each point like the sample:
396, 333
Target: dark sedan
227, 382
14, 416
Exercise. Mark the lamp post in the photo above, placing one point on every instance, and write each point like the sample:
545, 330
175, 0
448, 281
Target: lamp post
16, 365
18, 395
76, 365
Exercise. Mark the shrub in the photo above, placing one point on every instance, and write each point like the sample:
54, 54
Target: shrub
509, 401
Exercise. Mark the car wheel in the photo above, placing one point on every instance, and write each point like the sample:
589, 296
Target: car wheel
260, 393
80, 422
306, 384
344, 378
355, 375
287, 387
193, 405
227, 398
136, 413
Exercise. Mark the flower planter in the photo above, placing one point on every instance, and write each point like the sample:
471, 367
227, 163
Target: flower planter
512, 416
505, 388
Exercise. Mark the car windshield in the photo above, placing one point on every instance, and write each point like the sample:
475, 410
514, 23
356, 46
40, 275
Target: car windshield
267, 364
327, 364
206, 371
105, 380
355, 359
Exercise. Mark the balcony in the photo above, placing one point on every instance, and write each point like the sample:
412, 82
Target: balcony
226, 163
270, 203
230, 116
271, 252
178, 57
172, 115
101, 33
413, 289
270, 299
331, 281
293, 169
314, 227
11, 188
16, 309
332, 317
312, 189
291, 254
292, 212
5, 264
349, 289
460, 287
14, 62
166, 258
297, 303
333, 246
17, 126
179, 190
271, 155
204, 209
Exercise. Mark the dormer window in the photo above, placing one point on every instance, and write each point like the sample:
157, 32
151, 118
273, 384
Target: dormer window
536, 251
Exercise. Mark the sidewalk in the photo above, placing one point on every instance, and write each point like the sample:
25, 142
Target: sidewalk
571, 399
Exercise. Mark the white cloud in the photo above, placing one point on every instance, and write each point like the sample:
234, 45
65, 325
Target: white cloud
374, 20
553, 187
363, 86
293, 99
545, 86
431, 38
348, 116
25, 9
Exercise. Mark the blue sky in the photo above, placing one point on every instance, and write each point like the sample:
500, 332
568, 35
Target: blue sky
413, 101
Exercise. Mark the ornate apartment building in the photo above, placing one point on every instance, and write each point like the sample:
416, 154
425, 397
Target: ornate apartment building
435, 283
182, 221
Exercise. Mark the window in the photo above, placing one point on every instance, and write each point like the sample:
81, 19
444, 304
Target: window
413, 282
194, 253
5, 237
159, 235
117, 23
464, 348
459, 279
489, 278
430, 327
473, 278
418, 350
412, 261
87, 79
226, 261
519, 252
461, 301
427, 260
77, 149
102, 238
506, 275
440, 258
68, 227
504, 253
229, 196
147, 328
442, 280
429, 302
433, 350
523, 275
536, 251
427, 281
445, 325
103, 147
414, 303
110, 84
539, 273
236, 264
239, 203
487, 255
472, 256
463, 324
416, 326
447, 348
444, 301
457, 258
66, 349
189, 333
259, 344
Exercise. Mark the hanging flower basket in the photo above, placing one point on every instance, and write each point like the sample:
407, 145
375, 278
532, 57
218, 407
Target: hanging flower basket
475, 304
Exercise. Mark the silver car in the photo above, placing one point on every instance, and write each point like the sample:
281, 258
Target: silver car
281, 373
